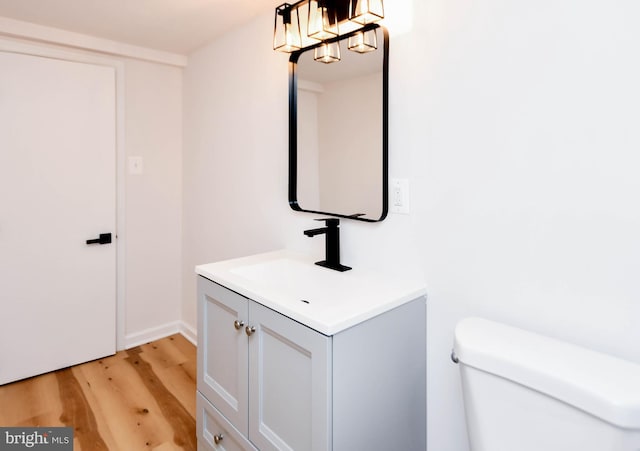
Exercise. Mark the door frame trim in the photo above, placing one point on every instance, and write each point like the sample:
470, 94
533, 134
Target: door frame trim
34, 32
47, 51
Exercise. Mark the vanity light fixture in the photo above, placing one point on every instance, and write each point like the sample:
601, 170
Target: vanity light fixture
323, 22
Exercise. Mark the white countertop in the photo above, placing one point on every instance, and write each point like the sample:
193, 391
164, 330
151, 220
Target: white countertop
322, 299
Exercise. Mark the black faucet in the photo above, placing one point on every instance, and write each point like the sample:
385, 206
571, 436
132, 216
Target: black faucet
332, 244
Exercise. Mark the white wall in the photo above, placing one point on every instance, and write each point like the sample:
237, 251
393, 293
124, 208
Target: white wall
516, 124
153, 102
235, 152
524, 144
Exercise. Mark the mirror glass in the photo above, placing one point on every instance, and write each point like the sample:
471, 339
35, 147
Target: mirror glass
338, 132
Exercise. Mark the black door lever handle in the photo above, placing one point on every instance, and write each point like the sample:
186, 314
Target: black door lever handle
105, 238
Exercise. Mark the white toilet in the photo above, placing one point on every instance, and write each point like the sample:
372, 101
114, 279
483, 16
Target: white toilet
526, 392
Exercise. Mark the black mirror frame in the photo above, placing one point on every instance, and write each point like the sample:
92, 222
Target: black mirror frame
293, 127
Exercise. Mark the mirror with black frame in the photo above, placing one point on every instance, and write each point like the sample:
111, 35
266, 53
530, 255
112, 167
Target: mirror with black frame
338, 131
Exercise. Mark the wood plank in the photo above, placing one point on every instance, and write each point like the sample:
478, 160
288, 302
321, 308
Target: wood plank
77, 413
142, 398
31, 402
127, 412
182, 423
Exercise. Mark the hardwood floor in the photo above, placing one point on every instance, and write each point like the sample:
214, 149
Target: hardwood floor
139, 399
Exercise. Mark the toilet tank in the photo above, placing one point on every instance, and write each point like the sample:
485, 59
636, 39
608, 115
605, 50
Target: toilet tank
526, 392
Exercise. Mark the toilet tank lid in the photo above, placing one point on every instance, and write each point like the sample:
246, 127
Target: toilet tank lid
602, 385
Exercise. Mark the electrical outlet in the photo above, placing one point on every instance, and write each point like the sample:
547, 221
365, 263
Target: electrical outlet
399, 196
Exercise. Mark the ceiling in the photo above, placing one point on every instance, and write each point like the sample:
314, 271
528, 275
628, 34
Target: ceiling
178, 26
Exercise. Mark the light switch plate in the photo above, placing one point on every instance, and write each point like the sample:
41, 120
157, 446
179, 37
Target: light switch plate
135, 165
399, 196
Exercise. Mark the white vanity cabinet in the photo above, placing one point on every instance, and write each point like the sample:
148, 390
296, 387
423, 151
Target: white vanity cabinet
267, 375
269, 382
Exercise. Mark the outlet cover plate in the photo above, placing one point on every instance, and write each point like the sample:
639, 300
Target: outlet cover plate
399, 196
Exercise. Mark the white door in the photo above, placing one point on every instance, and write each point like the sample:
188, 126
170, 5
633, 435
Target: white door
57, 190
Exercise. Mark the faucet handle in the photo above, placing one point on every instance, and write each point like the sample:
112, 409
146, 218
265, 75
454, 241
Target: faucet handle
329, 221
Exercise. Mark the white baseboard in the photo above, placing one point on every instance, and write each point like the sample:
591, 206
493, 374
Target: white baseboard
189, 332
156, 333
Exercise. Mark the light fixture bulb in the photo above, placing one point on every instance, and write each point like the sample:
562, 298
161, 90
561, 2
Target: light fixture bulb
290, 38
327, 52
363, 41
323, 20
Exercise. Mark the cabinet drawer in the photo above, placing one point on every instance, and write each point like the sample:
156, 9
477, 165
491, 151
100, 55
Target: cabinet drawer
211, 424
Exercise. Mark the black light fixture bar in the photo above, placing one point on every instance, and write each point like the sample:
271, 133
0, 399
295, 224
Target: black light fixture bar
340, 37
341, 7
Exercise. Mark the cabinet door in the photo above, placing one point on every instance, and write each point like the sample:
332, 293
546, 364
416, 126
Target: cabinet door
289, 384
222, 350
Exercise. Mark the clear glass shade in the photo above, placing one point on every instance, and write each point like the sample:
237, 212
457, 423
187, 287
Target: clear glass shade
363, 41
366, 11
327, 52
323, 20
286, 31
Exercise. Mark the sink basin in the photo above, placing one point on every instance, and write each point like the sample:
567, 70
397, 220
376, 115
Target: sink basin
325, 300
301, 279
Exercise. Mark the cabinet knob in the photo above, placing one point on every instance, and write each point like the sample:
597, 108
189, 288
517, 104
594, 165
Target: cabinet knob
238, 324
218, 438
249, 330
